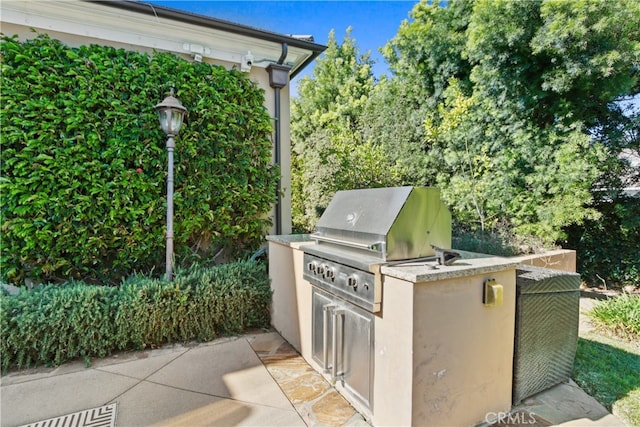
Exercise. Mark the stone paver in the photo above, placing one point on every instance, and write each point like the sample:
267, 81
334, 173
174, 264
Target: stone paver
313, 397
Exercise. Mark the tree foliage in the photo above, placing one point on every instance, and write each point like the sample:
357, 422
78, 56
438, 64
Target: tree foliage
393, 121
512, 108
521, 94
608, 248
84, 161
429, 49
329, 151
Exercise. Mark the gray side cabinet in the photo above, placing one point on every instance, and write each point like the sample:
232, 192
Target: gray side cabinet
546, 334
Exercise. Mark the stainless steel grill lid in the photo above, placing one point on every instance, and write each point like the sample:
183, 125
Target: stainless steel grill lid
393, 223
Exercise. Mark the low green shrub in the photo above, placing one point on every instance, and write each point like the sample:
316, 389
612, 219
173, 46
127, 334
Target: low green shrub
485, 243
620, 316
498, 241
50, 325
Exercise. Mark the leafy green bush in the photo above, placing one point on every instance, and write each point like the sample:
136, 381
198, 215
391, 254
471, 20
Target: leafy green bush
607, 248
620, 315
84, 161
50, 325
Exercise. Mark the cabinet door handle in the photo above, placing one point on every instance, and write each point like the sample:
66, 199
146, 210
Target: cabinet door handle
338, 332
326, 312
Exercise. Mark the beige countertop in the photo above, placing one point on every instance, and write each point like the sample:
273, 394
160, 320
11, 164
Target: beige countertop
469, 264
293, 240
417, 271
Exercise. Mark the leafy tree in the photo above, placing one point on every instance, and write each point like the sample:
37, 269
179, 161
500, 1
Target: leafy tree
592, 52
429, 49
329, 151
393, 121
341, 83
608, 248
524, 92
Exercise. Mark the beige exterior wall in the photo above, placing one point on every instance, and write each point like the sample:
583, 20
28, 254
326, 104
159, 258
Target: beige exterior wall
463, 351
393, 368
291, 303
25, 33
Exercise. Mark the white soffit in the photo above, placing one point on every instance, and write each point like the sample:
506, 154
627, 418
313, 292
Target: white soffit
111, 24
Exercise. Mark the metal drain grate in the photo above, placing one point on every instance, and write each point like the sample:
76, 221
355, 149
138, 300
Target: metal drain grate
104, 416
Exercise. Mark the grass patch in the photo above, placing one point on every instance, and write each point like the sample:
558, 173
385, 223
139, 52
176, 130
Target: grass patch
608, 368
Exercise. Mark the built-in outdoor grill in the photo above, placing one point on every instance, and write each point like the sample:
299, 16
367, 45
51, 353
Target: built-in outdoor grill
408, 330
363, 229
359, 231
386, 223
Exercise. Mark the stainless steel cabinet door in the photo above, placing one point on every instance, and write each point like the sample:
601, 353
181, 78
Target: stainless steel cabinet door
343, 343
322, 327
357, 353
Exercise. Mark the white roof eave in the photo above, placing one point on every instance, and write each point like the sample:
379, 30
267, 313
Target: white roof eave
100, 21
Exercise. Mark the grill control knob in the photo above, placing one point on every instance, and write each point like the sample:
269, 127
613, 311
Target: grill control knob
352, 282
313, 267
320, 270
329, 273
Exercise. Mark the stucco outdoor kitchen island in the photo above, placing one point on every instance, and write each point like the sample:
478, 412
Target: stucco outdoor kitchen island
441, 344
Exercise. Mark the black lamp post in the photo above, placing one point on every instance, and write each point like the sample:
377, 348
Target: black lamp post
170, 112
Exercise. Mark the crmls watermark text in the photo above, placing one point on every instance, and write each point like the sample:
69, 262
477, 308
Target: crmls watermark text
510, 418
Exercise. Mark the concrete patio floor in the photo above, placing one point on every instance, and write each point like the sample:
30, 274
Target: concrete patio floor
240, 381
256, 379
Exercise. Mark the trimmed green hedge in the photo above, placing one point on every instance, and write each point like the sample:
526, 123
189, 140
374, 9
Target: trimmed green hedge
50, 325
84, 162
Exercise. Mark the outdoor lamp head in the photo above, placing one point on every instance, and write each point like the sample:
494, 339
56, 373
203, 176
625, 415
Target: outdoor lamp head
171, 112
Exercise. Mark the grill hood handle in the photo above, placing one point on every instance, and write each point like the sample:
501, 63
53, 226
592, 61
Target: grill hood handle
377, 246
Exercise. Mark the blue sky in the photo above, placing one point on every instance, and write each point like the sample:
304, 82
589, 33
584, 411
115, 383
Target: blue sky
373, 23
